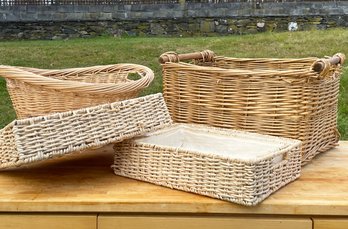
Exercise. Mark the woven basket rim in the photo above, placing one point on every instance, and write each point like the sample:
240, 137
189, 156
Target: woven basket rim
319, 67
32, 76
245, 73
284, 60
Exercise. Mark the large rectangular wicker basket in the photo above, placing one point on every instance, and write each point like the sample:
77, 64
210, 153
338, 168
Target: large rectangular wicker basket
236, 166
294, 98
29, 140
37, 92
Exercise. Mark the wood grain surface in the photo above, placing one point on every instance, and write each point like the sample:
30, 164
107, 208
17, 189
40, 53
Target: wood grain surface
85, 183
174, 222
330, 223
44, 221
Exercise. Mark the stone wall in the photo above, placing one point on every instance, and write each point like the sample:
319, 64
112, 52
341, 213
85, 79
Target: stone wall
185, 19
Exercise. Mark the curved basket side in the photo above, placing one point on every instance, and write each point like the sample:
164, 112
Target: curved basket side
8, 150
29, 101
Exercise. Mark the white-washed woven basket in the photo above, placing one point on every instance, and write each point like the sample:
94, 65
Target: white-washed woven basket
236, 166
35, 139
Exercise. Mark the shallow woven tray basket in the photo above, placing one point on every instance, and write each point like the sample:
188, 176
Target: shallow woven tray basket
236, 166
294, 98
37, 92
23, 142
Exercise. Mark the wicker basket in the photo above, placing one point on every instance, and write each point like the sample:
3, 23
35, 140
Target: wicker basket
37, 92
239, 167
293, 98
35, 139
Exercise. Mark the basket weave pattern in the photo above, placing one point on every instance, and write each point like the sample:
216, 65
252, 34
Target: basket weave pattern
34, 139
280, 97
37, 92
238, 181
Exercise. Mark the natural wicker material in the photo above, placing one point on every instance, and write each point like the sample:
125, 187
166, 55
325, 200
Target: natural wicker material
294, 98
34, 139
195, 158
37, 92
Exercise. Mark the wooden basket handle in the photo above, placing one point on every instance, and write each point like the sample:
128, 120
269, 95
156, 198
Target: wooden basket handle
322, 64
205, 55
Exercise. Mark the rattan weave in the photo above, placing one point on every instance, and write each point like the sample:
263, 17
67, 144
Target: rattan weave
34, 139
228, 175
37, 92
280, 97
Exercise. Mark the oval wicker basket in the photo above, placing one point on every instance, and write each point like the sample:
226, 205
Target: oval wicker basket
36, 92
293, 98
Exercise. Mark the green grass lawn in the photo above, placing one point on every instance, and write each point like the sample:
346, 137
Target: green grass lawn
145, 51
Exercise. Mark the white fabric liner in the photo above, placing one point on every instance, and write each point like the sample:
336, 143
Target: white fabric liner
235, 145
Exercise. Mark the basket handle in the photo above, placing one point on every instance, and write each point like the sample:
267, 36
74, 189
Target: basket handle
284, 160
322, 64
205, 55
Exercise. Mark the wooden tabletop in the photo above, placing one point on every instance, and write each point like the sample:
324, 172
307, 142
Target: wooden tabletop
86, 183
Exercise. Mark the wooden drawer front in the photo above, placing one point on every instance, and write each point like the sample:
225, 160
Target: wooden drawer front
174, 222
332, 223
44, 221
